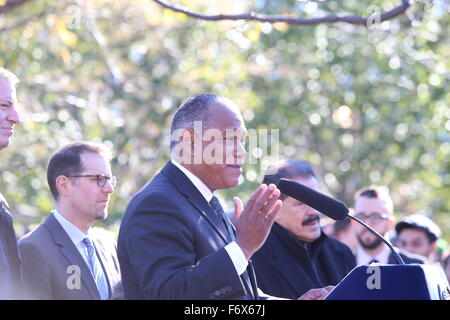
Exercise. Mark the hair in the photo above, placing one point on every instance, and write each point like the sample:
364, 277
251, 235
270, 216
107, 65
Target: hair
288, 169
67, 161
341, 225
8, 75
193, 109
377, 192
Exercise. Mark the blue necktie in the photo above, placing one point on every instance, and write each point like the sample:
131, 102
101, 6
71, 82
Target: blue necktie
96, 270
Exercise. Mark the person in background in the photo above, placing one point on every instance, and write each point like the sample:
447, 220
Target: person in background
10, 274
417, 234
374, 206
446, 265
297, 256
65, 258
342, 230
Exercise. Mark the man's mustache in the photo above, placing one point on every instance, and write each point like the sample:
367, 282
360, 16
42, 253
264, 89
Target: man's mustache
310, 219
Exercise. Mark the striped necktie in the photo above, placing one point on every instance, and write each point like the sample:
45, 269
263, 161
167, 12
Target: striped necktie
217, 207
96, 270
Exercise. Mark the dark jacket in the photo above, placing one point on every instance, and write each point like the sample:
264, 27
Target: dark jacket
287, 267
10, 276
171, 245
407, 257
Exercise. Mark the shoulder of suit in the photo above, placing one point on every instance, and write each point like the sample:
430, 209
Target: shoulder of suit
3, 200
411, 257
102, 236
35, 235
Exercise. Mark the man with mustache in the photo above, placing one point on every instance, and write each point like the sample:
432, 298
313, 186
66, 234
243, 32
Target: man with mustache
64, 259
374, 206
297, 255
9, 260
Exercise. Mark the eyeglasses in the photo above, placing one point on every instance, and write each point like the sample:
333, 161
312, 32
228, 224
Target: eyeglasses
101, 179
373, 218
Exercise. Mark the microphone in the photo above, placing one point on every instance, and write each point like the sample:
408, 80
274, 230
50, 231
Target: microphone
330, 207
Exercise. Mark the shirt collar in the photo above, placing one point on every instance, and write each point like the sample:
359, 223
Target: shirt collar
204, 190
75, 234
363, 258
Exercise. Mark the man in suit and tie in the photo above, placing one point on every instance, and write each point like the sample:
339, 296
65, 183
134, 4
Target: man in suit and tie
10, 278
374, 206
297, 256
64, 258
175, 242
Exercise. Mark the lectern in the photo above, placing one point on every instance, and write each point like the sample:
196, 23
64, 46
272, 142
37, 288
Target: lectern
393, 282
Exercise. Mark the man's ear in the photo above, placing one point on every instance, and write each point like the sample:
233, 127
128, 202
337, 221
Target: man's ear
63, 185
390, 223
433, 246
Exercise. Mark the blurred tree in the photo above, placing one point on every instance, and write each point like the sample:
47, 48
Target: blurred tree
364, 105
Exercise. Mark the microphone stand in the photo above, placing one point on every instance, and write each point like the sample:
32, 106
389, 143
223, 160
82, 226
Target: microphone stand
397, 257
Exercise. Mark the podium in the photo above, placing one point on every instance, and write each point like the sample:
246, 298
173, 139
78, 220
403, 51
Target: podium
393, 282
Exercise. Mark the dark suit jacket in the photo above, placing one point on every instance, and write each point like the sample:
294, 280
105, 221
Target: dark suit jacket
287, 267
171, 245
52, 263
10, 276
407, 257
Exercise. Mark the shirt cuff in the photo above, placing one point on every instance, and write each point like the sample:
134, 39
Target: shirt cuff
237, 257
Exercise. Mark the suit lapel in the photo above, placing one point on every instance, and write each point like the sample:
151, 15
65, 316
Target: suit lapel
70, 252
188, 189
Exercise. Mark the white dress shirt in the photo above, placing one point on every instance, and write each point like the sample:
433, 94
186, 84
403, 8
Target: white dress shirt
234, 251
75, 234
363, 258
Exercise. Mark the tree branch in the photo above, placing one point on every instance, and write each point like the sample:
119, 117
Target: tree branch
11, 5
358, 20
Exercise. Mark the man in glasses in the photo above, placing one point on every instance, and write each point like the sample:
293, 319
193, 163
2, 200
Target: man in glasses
9, 260
63, 258
374, 207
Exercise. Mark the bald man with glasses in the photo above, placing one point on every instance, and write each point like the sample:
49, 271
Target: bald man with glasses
64, 258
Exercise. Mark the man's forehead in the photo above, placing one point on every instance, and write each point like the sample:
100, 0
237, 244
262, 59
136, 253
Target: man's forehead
7, 91
365, 204
227, 116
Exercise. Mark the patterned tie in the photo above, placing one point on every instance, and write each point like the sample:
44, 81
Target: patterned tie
217, 207
96, 270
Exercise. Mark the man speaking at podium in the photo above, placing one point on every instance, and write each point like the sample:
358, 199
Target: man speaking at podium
175, 241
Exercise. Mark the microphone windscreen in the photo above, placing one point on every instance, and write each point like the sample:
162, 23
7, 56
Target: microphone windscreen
330, 207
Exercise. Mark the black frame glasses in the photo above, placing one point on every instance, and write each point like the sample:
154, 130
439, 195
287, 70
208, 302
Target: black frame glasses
101, 179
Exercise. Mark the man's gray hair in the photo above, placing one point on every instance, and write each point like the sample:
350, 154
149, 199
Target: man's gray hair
8, 75
192, 110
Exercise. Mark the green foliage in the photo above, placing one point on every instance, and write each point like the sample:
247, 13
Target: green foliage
365, 106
